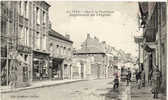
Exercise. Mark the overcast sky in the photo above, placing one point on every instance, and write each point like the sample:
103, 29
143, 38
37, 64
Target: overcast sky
118, 30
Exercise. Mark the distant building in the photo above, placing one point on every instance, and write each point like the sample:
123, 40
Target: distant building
81, 67
92, 47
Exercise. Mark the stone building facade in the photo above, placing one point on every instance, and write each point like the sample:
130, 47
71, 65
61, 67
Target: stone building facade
40, 27
60, 49
153, 21
24, 25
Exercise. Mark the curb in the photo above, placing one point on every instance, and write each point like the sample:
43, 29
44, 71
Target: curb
41, 86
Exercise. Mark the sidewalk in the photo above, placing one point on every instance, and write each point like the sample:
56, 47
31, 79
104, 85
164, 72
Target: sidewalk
142, 94
41, 84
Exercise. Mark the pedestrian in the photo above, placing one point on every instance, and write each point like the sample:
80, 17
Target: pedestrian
128, 76
156, 82
116, 82
143, 78
150, 77
136, 76
139, 79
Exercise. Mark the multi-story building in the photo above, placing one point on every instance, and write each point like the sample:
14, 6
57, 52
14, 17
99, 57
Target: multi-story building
153, 22
39, 11
60, 49
24, 30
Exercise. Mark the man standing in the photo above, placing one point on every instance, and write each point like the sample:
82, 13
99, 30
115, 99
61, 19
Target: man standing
143, 78
128, 76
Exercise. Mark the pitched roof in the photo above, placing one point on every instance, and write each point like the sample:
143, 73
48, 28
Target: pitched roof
90, 50
58, 35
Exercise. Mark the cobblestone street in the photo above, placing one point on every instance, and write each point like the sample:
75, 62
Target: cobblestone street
84, 90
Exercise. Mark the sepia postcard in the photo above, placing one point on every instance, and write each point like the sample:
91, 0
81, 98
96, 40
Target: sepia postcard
83, 50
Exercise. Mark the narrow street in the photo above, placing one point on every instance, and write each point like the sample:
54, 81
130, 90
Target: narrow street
84, 90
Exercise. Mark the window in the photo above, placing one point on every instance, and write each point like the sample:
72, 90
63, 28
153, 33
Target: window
163, 13
22, 35
26, 7
22, 8
69, 52
44, 18
38, 15
37, 40
57, 49
26, 57
44, 42
27, 36
3, 27
64, 50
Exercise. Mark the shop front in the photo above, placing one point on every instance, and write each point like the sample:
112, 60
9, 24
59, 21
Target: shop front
56, 68
40, 66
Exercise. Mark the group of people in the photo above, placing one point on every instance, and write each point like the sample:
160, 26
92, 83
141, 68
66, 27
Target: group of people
154, 80
116, 79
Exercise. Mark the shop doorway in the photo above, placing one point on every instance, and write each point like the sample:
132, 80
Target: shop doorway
56, 69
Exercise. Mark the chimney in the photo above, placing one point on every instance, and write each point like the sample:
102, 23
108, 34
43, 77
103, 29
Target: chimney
104, 42
96, 38
67, 36
88, 35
